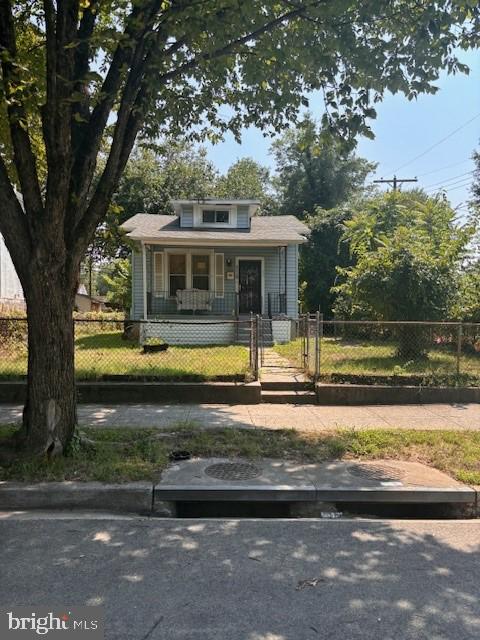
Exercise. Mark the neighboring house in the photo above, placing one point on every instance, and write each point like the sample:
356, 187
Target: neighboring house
215, 259
85, 303
11, 292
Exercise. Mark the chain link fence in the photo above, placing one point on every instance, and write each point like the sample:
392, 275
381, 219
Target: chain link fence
164, 350
363, 352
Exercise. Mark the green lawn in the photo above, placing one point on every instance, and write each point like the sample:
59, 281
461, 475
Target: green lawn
121, 455
357, 357
107, 354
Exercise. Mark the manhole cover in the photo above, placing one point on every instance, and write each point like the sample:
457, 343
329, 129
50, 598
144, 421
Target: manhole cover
233, 471
377, 472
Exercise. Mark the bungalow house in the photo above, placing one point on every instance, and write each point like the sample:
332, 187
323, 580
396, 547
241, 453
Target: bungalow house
214, 259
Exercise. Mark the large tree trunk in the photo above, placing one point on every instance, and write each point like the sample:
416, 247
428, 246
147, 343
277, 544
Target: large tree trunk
49, 417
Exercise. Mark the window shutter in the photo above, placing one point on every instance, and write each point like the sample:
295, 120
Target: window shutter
219, 275
158, 275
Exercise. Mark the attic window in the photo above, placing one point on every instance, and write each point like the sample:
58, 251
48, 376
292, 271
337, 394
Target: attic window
215, 216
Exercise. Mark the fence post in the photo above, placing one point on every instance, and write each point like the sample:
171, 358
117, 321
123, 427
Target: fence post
252, 347
257, 332
307, 343
459, 346
318, 343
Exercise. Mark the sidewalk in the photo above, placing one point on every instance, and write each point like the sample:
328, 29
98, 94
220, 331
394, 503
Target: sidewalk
273, 416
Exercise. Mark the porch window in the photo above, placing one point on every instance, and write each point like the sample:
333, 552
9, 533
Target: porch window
177, 272
201, 272
212, 216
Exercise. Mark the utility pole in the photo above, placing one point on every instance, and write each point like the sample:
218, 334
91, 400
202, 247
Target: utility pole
396, 181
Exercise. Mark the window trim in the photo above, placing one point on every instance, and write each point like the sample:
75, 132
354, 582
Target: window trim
170, 274
188, 252
198, 216
201, 275
215, 212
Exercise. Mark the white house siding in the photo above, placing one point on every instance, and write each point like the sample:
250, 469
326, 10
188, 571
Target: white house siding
273, 277
10, 287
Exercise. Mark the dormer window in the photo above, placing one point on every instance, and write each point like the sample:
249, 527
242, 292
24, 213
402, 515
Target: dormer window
215, 216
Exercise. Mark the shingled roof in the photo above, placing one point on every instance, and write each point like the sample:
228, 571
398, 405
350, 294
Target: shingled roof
264, 230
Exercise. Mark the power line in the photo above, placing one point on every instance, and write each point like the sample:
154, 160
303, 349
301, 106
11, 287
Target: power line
448, 166
459, 186
452, 133
451, 180
448, 187
447, 180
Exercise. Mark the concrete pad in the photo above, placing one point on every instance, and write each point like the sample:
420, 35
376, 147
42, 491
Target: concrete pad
278, 480
337, 481
386, 481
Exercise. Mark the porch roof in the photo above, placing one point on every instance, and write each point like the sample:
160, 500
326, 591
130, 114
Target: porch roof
264, 230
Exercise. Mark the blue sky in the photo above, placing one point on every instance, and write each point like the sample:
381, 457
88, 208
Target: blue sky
403, 130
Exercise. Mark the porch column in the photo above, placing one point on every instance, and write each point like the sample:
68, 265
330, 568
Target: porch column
144, 279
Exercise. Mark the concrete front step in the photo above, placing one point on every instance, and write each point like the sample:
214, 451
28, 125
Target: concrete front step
289, 397
285, 385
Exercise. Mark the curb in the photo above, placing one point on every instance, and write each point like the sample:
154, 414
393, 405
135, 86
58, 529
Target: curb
134, 497
361, 394
151, 392
149, 499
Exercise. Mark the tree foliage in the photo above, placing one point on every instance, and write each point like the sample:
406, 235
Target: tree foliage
475, 189
321, 256
245, 179
313, 170
315, 179
115, 281
152, 178
407, 249
114, 71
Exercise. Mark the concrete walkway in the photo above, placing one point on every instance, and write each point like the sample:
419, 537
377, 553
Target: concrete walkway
273, 416
275, 368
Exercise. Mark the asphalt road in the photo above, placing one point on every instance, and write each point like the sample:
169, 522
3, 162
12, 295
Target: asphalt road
250, 580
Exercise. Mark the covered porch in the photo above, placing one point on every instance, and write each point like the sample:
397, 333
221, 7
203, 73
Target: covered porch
213, 282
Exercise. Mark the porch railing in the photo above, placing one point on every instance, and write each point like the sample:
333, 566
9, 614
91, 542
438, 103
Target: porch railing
161, 303
276, 304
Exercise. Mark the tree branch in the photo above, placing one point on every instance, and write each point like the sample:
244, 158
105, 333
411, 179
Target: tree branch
231, 46
24, 158
128, 121
59, 108
48, 110
82, 58
13, 225
90, 138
